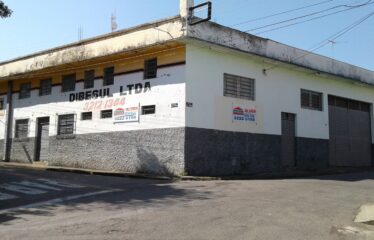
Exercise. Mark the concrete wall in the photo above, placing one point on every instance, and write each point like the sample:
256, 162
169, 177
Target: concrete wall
276, 92
216, 144
154, 144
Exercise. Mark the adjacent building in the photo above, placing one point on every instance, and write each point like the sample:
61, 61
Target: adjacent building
171, 97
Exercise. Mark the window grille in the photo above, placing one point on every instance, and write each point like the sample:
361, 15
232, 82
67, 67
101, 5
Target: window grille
239, 87
66, 124
150, 68
89, 79
45, 87
311, 100
24, 90
22, 128
108, 76
68, 83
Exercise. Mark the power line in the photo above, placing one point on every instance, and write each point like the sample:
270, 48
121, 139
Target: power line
311, 14
330, 38
280, 13
311, 19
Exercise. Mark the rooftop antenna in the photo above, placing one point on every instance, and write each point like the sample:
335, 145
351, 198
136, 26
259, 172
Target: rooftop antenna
114, 24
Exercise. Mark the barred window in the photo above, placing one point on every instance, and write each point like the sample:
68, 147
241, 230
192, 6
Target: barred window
24, 90
45, 87
239, 87
89, 79
150, 109
311, 100
66, 124
68, 83
86, 116
150, 68
106, 113
2, 106
108, 76
22, 128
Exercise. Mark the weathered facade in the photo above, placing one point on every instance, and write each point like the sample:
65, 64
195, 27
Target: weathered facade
172, 98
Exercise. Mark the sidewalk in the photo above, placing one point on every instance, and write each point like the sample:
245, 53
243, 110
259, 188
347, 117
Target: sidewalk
41, 166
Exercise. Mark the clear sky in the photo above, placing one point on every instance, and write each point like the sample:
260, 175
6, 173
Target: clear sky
41, 24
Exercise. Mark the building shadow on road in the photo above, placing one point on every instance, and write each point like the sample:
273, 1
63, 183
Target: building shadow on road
131, 194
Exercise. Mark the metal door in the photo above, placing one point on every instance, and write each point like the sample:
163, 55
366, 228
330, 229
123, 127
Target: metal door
288, 140
350, 133
42, 139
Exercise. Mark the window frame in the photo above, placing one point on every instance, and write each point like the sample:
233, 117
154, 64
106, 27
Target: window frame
17, 134
108, 78
148, 106
103, 112
239, 87
22, 93
43, 92
150, 71
65, 78
86, 119
2, 104
89, 79
65, 133
309, 105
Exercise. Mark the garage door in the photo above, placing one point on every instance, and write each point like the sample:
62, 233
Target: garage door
350, 133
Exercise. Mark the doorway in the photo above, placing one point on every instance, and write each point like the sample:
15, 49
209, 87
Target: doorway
42, 139
288, 140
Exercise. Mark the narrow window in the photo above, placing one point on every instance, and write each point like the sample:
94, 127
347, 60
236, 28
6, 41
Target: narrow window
239, 87
22, 128
45, 87
66, 124
150, 68
89, 79
108, 76
106, 113
150, 109
86, 116
24, 90
2, 106
68, 83
311, 100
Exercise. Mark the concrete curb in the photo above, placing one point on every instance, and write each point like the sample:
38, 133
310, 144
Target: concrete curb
299, 174
84, 171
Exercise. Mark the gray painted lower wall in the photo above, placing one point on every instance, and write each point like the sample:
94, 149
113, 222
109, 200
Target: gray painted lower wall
312, 154
22, 150
177, 151
159, 151
212, 152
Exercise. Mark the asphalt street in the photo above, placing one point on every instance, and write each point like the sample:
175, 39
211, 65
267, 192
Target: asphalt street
37, 204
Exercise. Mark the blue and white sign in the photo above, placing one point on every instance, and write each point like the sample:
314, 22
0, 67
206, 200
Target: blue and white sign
122, 115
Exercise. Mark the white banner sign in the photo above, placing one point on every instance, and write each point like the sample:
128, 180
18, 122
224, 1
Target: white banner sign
130, 114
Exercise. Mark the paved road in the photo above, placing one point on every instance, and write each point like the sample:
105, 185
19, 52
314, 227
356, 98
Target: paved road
52, 205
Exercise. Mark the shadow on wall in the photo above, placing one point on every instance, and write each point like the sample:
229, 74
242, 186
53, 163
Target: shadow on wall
148, 162
27, 153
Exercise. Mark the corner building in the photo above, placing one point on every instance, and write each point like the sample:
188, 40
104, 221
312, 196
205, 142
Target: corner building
172, 98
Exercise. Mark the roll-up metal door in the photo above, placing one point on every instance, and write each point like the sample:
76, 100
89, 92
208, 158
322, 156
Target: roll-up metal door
350, 133
288, 139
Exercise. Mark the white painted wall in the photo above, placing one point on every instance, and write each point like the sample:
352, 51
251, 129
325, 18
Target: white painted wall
167, 88
278, 91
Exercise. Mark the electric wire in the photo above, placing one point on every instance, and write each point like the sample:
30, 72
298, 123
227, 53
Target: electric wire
279, 13
312, 14
330, 38
308, 20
